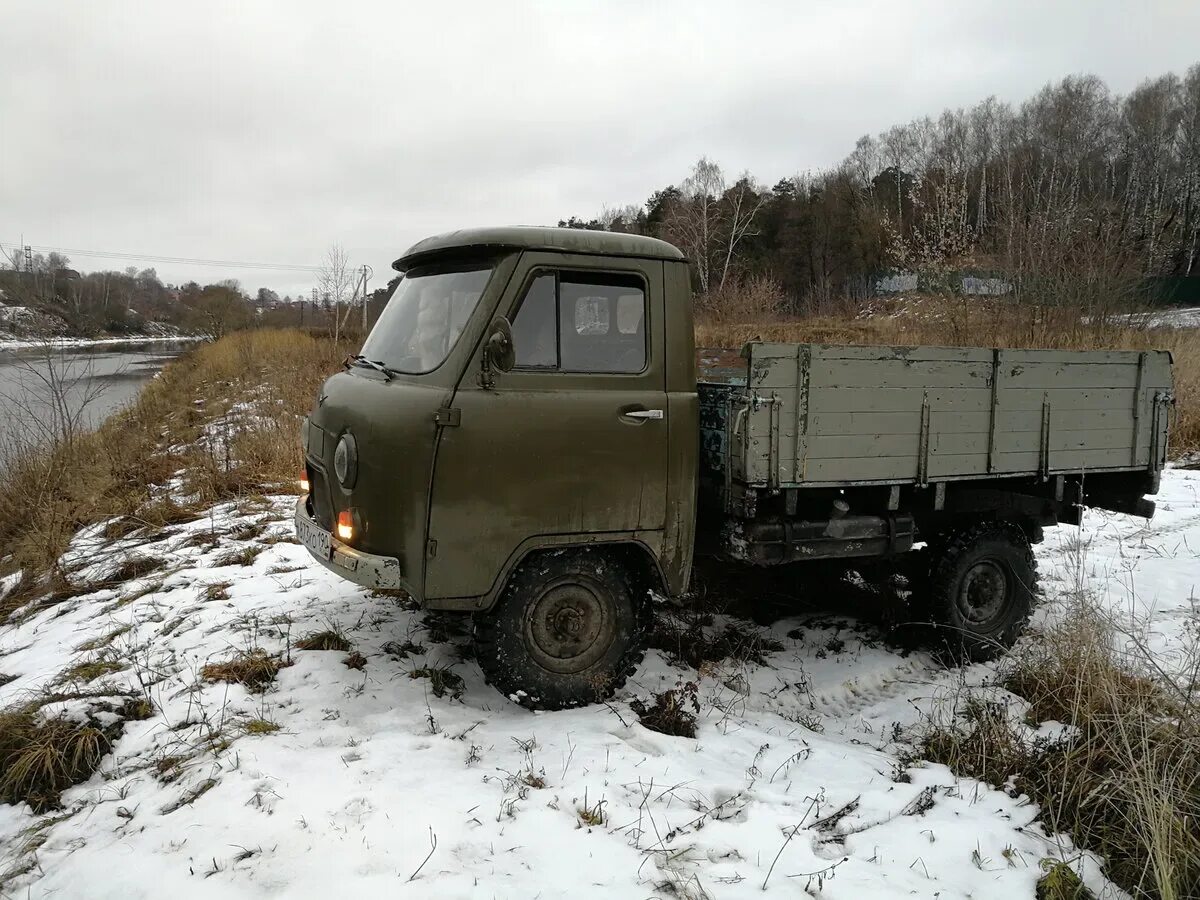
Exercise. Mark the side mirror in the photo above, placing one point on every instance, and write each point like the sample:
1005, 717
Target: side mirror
498, 350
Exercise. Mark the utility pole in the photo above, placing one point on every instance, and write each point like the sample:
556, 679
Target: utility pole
366, 274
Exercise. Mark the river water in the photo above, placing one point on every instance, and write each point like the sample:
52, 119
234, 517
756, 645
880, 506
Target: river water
43, 390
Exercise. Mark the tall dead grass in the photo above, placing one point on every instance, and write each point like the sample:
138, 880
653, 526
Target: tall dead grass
755, 299
1124, 779
959, 321
223, 419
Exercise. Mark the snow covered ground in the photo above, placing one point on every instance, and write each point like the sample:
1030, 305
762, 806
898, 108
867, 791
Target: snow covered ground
375, 786
72, 343
1174, 317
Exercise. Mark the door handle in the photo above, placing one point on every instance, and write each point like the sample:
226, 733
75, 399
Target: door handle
643, 414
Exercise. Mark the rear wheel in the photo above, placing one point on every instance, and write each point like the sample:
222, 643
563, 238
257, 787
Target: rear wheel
567, 630
982, 584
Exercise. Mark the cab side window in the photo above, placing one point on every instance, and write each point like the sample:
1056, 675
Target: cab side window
582, 322
536, 325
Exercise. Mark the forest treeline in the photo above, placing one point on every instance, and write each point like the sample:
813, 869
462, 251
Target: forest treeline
50, 297
1077, 196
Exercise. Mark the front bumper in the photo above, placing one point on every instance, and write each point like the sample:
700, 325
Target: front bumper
366, 569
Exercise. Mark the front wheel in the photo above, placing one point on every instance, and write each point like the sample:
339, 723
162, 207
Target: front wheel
982, 584
568, 629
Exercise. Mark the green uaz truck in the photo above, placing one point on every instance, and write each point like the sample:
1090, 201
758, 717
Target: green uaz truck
524, 438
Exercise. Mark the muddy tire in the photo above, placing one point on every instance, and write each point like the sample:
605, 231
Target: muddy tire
569, 629
982, 586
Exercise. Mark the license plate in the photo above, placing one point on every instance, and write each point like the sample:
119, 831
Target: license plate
313, 536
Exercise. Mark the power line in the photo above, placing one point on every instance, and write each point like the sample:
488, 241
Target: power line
148, 257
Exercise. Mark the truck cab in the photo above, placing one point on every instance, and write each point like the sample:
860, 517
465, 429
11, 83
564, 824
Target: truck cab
518, 439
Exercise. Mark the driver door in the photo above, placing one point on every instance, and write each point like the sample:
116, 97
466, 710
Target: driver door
570, 444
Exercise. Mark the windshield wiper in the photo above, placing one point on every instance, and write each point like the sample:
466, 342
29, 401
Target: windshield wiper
361, 360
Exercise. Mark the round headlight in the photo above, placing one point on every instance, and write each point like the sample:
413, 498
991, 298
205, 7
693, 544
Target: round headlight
345, 461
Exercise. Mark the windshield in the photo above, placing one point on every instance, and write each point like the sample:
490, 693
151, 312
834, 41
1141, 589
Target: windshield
428, 311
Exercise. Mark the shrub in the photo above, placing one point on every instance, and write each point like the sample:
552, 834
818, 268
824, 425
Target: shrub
745, 301
673, 711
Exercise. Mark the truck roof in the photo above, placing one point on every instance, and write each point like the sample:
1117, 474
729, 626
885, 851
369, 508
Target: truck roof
530, 237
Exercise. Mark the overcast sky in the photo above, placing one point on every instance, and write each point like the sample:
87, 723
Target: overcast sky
264, 132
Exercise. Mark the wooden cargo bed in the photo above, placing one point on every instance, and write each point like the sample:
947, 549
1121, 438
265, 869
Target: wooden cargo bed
792, 415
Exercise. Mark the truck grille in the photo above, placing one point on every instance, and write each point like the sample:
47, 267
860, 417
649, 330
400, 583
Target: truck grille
319, 492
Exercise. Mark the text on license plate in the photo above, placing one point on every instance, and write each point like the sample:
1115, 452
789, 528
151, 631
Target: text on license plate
313, 536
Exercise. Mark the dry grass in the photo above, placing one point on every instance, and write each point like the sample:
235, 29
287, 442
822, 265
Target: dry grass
685, 637
756, 299
241, 557
1061, 883
330, 639
217, 591
254, 669
91, 670
40, 758
104, 640
116, 472
673, 711
591, 815
442, 680
974, 322
1124, 781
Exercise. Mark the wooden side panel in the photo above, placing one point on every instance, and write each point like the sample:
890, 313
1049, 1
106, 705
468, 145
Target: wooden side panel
821, 413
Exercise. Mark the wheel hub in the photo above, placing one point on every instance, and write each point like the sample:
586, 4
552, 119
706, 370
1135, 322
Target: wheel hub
984, 592
568, 622
569, 628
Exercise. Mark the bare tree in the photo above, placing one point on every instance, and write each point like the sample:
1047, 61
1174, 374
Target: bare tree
740, 206
50, 401
628, 219
710, 219
338, 284
694, 218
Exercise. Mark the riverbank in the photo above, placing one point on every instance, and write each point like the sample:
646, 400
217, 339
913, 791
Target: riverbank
48, 392
220, 422
75, 343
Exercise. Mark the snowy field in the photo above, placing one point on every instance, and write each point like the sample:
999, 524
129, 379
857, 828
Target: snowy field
1179, 317
374, 786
